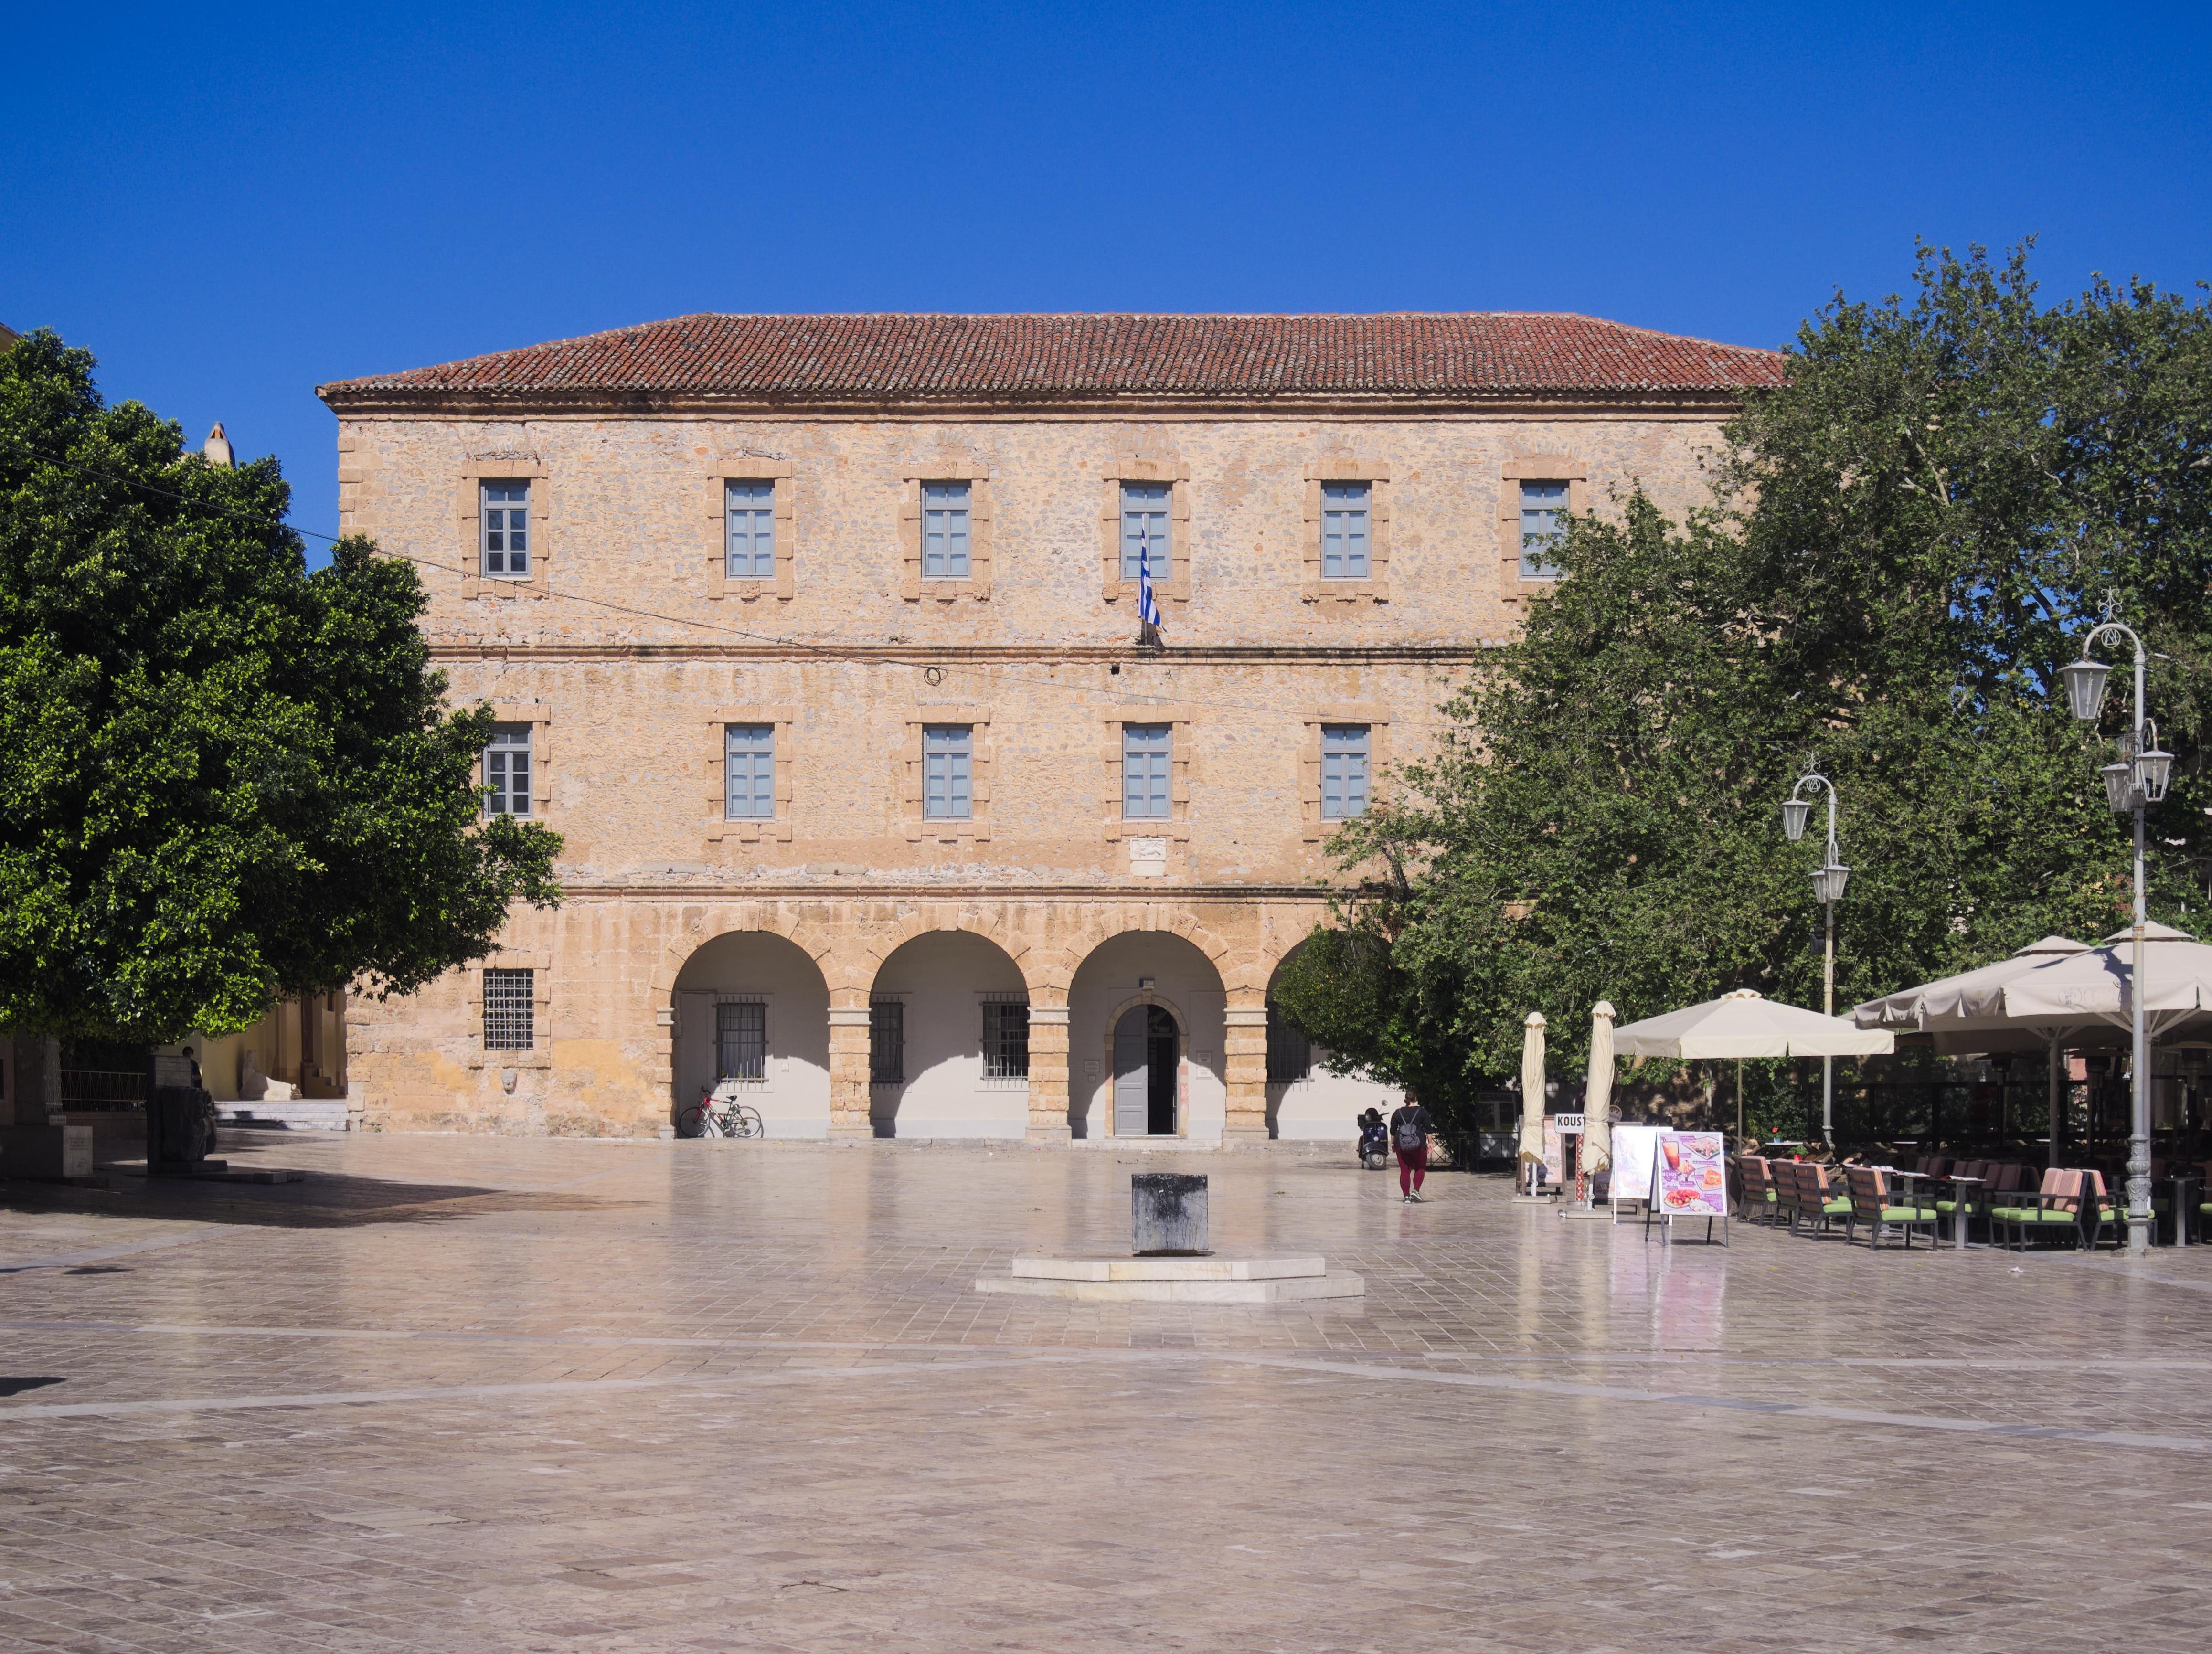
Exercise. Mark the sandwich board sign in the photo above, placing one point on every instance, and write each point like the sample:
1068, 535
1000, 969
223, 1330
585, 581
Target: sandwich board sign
1689, 1179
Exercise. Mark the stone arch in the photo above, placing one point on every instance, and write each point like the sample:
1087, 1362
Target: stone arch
750, 1008
697, 926
879, 944
1186, 980
958, 1005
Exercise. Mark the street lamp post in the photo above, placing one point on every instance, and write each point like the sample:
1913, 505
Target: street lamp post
2133, 781
1828, 882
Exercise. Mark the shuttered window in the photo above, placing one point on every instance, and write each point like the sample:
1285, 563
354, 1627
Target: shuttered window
1343, 531
1543, 524
1145, 529
1145, 751
1343, 771
503, 513
945, 530
947, 772
507, 771
751, 511
749, 774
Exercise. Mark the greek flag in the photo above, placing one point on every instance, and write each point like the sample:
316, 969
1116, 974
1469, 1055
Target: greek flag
1148, 611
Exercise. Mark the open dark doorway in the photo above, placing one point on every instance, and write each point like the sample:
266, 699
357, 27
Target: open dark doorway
1146, 1048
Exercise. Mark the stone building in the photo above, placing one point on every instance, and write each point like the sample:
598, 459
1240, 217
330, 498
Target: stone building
816, 637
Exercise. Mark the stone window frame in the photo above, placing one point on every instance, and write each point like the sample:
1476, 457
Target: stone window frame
539, 717
1533, 468
752, 468
954, 467
1146, 468
540, 1053
1346, 468
1314, 827
1176, 827
476, 472
982, 771
748, 829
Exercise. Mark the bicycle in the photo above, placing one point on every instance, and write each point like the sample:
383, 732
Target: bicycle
711, 1117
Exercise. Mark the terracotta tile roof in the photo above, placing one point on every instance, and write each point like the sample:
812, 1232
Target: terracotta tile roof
929, 357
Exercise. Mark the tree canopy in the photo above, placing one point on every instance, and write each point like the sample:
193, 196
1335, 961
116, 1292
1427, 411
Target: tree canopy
223, 778
1903, 544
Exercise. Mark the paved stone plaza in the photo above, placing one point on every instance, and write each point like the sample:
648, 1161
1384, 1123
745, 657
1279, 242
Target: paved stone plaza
467, 1393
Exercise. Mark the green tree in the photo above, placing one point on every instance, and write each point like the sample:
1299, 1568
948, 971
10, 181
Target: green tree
223, 780
1904, 544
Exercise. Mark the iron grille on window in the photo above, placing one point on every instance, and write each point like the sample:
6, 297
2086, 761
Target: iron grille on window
507, 771
505, 511
1290, 1053
741, 1040
1006, 1039
887, 1043
510, 1010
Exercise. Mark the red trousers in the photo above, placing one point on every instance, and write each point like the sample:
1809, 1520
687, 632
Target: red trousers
1413, 1166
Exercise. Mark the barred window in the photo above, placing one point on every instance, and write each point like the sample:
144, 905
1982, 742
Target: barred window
749, 510
887, 1043
510, 1010
1006, 1039
504, 511
1290, 1053
507, 771
741, 1040
945, 530
1343, 771
1343, 531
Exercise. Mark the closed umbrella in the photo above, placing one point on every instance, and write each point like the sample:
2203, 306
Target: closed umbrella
1597, 1100
1532, 1093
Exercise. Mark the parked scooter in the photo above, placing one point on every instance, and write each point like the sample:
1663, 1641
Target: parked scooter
1374, 1140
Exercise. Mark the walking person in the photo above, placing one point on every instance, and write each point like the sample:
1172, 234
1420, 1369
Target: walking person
1409, 1136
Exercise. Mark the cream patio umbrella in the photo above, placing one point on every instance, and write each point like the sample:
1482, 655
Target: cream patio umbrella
1965, 1013
1532, 1094
1596, 1154
1743, 1023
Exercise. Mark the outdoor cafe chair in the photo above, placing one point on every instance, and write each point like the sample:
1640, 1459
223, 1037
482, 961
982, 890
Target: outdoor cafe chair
1814, 1200
1760, 1203
2054, 1209
1872, 1203
2109, 1217
1967, 1202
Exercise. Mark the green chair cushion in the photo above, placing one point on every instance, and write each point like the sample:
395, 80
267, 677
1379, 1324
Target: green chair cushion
2031, 1214
1947, 1206
1907, 1214
1836, 1208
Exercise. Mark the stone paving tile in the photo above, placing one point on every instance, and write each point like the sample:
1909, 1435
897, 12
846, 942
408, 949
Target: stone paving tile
505, 1394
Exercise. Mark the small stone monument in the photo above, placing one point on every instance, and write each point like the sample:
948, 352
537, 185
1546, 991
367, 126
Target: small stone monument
1172, 1262
1167, 1216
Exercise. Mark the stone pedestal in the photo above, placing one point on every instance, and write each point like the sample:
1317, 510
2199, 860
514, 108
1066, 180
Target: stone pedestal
1167, 1214
1175, 1281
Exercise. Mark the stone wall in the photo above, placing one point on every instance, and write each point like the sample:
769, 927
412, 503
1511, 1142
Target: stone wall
627, 652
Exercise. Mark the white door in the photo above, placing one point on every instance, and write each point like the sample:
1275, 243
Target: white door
1133, 1073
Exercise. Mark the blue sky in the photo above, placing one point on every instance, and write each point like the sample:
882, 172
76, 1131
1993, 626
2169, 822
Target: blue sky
228, 205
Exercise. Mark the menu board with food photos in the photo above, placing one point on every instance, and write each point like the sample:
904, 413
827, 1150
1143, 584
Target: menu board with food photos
1689, 1176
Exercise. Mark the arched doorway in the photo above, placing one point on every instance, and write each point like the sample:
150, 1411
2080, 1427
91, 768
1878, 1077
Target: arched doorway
948, 1039
1147, 1059
1131, 972
752, 1009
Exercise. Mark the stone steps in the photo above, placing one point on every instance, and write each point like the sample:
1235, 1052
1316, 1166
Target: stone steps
294, 1114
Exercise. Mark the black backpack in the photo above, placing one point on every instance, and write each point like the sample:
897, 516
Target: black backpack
1406, 1129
